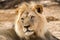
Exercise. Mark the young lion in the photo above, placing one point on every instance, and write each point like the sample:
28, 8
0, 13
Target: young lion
31, 23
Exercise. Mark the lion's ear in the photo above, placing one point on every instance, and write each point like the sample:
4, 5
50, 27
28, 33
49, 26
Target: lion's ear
38, 8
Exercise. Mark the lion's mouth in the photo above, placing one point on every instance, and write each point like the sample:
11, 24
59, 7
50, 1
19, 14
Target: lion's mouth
29, 32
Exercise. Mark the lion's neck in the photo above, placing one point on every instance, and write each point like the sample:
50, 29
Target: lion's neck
33, 37
48, 36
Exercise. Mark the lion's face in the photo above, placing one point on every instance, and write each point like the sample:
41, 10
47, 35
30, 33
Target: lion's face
30, 21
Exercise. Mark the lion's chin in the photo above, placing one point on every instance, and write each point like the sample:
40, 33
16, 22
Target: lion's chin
29, 33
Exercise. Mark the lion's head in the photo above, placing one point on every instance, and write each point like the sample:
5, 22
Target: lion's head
30, 21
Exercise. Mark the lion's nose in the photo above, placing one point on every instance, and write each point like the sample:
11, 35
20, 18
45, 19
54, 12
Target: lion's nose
27, 26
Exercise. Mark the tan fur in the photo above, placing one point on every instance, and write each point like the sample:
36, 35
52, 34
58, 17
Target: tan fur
31, 23
40, 28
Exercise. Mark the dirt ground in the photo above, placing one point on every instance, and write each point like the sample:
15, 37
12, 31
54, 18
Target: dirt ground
7, 18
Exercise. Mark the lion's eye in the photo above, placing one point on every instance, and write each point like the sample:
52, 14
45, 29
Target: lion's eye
22, 18
32, 17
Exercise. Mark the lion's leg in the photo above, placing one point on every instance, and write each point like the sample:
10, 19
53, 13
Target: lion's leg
8, 34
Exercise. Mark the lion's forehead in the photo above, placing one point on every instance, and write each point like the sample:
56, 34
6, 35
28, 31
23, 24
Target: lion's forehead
29, 13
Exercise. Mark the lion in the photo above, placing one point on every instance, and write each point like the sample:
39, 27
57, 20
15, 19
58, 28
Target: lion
31, 24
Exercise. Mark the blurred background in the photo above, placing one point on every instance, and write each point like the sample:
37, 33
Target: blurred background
51, 9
